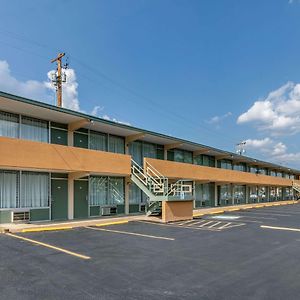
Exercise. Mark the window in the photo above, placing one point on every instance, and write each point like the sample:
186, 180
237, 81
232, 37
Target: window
106, 191
34, 129
9, 124
253, 170
116, 144
204, 194
262, 194
34, 190
204, 160
239, 167
272, 173
98, 141
98, 190
9, 187
225, 164
149, 150
180, 155
239, 194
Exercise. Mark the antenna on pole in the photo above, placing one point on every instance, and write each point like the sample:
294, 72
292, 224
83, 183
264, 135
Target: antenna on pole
58, 78
240, 148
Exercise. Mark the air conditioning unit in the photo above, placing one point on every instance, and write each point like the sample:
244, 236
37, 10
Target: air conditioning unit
108, 210
21, 216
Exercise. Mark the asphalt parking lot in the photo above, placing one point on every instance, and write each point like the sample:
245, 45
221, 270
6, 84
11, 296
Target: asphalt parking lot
247, 254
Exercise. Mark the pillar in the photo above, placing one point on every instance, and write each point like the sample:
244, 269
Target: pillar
127, 187
70, 197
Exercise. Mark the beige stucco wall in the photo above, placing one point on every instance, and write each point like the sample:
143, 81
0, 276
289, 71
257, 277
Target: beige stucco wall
200, 173
177, 211
22, 154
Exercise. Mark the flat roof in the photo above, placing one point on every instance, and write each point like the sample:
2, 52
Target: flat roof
42, 110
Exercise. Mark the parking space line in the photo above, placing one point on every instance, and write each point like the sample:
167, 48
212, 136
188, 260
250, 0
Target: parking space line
264, 213
204, 224
280, 228
213, 225
196, 223
185, 222
224, 226
48, 246
132, 233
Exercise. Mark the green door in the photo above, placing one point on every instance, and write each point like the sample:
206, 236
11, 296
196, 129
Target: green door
81, 204
59, 199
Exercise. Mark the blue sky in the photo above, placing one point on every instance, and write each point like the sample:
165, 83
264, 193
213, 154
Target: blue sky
216, 72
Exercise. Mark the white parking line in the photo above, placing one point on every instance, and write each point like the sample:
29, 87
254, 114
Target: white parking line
224, 226
196, 223
132, 233
213, 225
204, 224
186, 222
280, 228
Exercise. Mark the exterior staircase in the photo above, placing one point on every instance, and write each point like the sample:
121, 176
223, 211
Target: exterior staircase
157, 187
296, 186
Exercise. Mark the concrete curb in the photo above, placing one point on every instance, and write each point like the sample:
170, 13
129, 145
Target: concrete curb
213, 210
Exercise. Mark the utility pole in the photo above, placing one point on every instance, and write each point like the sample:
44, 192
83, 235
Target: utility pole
59, 78
240, 148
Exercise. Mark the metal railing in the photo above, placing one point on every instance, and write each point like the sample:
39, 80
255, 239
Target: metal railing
180, 188
150, 177
157, 183
296, 186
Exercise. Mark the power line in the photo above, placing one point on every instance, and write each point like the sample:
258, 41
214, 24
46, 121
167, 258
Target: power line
148, 100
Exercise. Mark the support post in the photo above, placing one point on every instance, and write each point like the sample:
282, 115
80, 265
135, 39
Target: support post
70, 197
127, 187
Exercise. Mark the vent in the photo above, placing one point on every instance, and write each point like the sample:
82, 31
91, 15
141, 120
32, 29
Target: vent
21, 217
107, 211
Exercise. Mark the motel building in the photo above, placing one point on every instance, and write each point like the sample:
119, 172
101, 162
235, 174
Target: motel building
58, 164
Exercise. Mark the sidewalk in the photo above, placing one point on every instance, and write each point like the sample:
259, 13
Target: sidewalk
64, 225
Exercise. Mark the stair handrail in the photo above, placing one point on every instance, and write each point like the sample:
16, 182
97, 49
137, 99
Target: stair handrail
138, 171
157, 185
159, 178
179, 187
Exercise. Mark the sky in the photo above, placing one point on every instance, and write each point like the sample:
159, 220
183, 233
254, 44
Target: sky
214, 72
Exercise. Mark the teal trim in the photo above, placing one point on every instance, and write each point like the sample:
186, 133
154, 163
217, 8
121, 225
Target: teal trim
134, 208
120, 209
93, 118
94, 211
5, 216
40, 214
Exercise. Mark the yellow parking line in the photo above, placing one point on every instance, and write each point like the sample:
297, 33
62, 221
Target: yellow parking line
233, 209
280, 228
48, 246
198, 215
111, 223
132, 233
216, 212
46, 229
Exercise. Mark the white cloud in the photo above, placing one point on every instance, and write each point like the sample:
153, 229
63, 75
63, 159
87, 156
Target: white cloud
45, 91
70, 89
258, 144
278, 113
273, 150
30, 88
106, 117
218, 119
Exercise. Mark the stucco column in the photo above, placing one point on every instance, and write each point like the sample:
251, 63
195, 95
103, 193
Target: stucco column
70, 197
247, 194
127, 187
70, 138
216, 194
